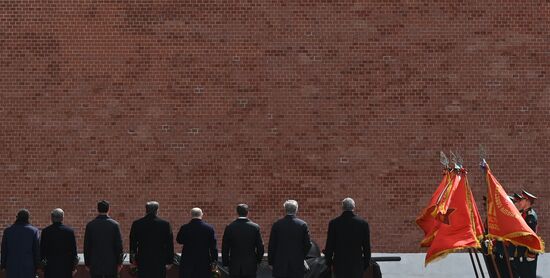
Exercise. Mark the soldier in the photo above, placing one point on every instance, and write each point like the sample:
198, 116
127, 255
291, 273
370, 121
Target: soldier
504, 251
525, 260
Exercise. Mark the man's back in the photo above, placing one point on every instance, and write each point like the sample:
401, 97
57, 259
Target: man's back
103, 246
289, 243
199, 249
348, 245
152, 242
58, 250
20, 250
198, 240
242, 247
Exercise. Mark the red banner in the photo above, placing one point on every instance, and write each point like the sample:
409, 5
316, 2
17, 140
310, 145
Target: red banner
505, 221
437, 208
463, 229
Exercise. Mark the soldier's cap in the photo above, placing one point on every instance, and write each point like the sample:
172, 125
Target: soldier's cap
528, 195
517, 197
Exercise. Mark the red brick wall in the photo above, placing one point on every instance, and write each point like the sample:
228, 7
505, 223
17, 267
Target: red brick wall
212, 103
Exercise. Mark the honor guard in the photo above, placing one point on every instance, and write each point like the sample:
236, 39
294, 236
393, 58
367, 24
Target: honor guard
525, 260
504, 250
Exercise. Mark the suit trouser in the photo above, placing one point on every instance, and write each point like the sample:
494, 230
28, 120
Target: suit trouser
152, 272
195, 271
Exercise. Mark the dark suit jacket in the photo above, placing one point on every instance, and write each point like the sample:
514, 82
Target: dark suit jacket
242, 247
20, 250
348, 245
289, 243
103, 246
199, 249
58, 250
151, 244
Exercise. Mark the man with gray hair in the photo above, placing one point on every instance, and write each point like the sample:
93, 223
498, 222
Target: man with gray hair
58, 248
20, 252
347, 250
199, 251
289, 243
151, 244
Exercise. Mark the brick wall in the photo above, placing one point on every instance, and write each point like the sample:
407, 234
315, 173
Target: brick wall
212, 103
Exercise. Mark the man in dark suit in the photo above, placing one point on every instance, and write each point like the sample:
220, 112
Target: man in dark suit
151, 244
20, 248
347, 249
103, 245
58, 248
199, 247
289, 243
242, 245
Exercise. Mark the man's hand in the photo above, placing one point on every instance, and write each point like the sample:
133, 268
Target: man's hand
168, 266
87, 269
74, 272
119, 268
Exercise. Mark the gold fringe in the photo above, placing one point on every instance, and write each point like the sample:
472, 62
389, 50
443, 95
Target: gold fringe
442, 254
516, 234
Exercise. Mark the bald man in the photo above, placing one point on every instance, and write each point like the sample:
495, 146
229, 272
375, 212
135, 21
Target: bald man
199, 247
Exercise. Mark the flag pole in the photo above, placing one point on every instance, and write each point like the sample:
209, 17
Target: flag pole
483, 156
457, 161
473, 263
507, 257
479, 263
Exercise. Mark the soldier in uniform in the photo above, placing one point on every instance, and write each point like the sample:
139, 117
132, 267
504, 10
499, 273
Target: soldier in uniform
504, 251
525, 260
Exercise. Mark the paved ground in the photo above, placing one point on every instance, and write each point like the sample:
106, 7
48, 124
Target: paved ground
411, 265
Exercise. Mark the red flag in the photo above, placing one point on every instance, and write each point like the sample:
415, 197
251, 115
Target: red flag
505, 221
464, 228
438, 208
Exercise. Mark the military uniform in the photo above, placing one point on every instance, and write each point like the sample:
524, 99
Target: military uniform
525, 261
504, 251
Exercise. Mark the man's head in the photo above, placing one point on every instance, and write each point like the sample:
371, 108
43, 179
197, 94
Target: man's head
57, 215
103, 207
516, 199
242, 210
196, 213
528, 200
23, 215
152, 207
291, 207
348, 204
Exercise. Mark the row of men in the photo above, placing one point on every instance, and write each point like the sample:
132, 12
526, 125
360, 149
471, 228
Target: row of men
347, 250
517, 259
